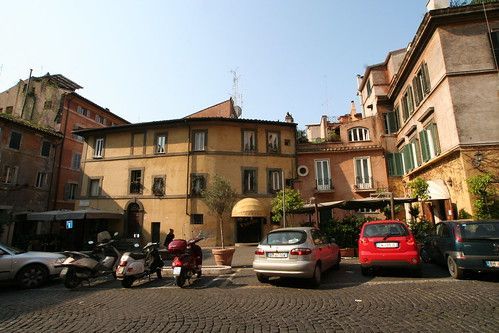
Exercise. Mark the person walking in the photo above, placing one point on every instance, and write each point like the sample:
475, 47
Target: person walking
169, 237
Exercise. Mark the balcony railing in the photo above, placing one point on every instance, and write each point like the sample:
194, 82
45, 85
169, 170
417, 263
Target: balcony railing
363, 183
324, 184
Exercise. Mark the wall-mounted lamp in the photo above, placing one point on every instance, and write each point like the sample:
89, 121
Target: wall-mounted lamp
449, 182
370, 106
477, 159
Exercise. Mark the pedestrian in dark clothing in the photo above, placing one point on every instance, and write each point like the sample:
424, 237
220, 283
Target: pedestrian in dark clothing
169, 237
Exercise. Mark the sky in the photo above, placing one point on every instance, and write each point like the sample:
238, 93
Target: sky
156, 60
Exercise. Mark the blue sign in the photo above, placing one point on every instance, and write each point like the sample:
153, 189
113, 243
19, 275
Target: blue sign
69, 224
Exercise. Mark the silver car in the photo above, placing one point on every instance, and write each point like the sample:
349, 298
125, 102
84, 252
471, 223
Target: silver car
29, 269
303, 252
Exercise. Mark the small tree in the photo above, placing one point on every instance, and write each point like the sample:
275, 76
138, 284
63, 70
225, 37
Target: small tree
220, 198
483, 188
292, 201
419, 189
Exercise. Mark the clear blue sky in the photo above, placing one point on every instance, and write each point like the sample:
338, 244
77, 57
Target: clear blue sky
153, 60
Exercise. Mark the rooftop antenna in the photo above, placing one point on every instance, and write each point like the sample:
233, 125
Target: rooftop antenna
236, 96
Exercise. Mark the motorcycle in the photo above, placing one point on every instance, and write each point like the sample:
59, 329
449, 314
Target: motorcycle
135, 265
81, 266
187, 261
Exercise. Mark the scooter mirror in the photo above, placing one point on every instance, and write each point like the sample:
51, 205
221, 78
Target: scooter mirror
90, 242
136, 245
116, 234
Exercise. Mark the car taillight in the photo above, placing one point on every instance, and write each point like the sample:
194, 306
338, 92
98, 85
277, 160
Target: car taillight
259, 252
300, 252
176, 263
364, 240
123, 263
410, 240
457, 233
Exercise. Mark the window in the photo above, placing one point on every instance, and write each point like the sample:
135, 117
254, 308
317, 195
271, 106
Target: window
415, 152
494, 35
249, 181
274, 181
249, 141
407, 104
15, 140
94, 187
75, 161
322, 175
369, 88
9, 109
392, 121
135, 181
198, 184
76, 136
45, 148
272, 142
395, 164
363, 178
99, 118
41, 179
421, 84
99, 148
9, 174
158, 186
407, 158
160, 144
196, 218
199, 141
430, 145
358, 134
70, 191
82, 111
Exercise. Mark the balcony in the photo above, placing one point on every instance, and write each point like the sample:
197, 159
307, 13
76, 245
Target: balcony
324, 185
363, 184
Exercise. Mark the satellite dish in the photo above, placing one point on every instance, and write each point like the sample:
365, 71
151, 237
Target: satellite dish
238, 111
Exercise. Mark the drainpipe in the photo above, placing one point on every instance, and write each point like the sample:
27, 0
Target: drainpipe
188, 168
26, 93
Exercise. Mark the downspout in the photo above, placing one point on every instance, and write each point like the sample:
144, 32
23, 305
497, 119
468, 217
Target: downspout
188, 170
64, 98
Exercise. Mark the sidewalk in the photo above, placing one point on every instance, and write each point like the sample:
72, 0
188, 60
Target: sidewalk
243, 257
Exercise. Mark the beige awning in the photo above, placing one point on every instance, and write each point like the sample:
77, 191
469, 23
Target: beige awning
248, 207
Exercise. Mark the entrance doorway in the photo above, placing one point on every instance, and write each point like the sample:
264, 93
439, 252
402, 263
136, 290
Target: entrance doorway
249, 229
135, 217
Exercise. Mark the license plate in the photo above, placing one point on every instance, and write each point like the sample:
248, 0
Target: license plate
492, 263
176, 270
277, 254
387, 245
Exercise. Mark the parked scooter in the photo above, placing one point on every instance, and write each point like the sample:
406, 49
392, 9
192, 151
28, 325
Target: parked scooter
188, 259
79, 266
135, 265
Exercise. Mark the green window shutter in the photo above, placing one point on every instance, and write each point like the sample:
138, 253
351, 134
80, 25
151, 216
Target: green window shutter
417, 90
410, 100
66, 191
434, 135
398, 164
423, 136
390, 160
408, 162
426, 79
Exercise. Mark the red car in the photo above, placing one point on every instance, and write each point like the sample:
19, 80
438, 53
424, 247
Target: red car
388, 243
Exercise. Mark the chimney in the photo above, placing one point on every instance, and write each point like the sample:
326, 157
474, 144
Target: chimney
437, 4
289, 118
353, 111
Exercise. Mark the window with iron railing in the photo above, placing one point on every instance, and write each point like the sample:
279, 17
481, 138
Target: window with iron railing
135, 181
323, 175
363, 177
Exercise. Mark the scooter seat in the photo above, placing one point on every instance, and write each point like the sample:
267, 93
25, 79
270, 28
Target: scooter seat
137, 256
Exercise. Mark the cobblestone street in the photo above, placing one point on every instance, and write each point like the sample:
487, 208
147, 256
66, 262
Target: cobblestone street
346, 301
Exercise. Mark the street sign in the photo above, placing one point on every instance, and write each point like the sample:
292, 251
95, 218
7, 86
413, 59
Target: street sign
69, 224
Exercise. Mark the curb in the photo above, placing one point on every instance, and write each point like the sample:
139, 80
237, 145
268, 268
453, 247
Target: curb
208, 270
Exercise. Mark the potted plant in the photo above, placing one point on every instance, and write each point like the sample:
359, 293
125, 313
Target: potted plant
345, 232
220, 197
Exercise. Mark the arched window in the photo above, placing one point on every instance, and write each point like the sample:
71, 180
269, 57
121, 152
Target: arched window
358, 134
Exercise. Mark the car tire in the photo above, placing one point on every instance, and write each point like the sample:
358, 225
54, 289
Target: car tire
32, 276
262, 278
315, 281
366, 271
455, 272
336, 266
71, 281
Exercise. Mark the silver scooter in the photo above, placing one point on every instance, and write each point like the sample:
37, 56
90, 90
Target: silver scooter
79, 266
135, 265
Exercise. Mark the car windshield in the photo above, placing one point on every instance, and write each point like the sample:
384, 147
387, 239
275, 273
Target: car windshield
285, 238
11, 249
385, 229
480, 230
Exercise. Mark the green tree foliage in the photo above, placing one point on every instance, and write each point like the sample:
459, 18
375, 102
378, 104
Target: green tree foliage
483, 188
421, 230
419, 189
220, 198
345, 231
292, 202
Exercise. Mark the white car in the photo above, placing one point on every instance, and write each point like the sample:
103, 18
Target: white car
29, 269
302, 252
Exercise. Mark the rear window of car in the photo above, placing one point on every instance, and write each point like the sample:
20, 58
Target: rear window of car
383, 229
480, 230
285, 238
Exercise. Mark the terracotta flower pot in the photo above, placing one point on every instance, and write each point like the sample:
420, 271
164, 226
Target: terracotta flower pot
223, 257
347, 252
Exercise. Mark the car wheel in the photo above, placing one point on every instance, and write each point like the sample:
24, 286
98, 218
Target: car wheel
336, 266
366, 271
32, 276
262, 278
316, 278
455, 272
71, 281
